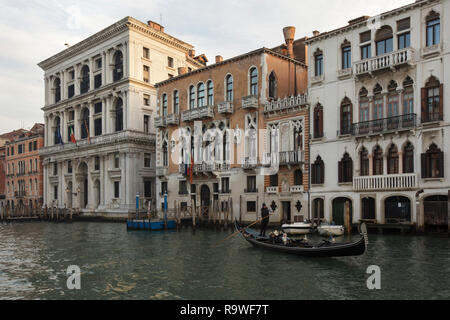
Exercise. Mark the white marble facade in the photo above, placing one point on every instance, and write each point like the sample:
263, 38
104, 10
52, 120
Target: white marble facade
103, 89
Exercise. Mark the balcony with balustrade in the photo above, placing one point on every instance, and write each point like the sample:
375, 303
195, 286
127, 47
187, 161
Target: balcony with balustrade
386, 125
272, 190
250, 102
204, 167
173, 119
197, 114
284, 158
249, 163
225, 107
391, 182
160, 122
161, 171
281, 105
386, 61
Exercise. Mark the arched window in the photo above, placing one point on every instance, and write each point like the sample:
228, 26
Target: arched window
378, 103
318, 63
318, 171
57, 131
191, 97
377, 161
119, 115
433, 29
272, 85
298, 177
118, 66
433, 163
165, 154
210, 93
364, 162
201, 95
253, 81
432, 101
85, 80
318, 121
346, 55
364, 110
346, 116
318, 207
392, 106
85, 123
229, 87
57, 90
392, 160
384, 40
164, 105
408, 158
345, 167
408, 99
176, 102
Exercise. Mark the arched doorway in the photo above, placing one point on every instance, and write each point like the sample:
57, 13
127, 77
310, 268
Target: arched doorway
368, 209
397, 209
84, 185
205, 198
435, 209
339, 208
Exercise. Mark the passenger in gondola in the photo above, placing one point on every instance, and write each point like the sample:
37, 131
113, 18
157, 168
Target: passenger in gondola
265, 219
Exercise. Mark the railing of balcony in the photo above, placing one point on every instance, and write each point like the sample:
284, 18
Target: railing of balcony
160, 122
403, 122
173, 118
249, 162
386, 182
250, 102
272, 189
384, 61
225, 107
291, 157
197, 113
286, 103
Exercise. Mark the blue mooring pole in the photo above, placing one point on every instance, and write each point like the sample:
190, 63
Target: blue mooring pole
137, 206
165, 210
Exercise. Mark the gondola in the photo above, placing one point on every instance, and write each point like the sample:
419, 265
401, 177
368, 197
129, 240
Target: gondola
304, 248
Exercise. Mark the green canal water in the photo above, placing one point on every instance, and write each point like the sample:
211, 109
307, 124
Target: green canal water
116, 264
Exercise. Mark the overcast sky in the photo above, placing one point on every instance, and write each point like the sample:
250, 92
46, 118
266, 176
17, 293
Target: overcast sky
33, 30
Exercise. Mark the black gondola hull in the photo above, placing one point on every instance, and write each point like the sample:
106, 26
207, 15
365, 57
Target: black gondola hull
328, 250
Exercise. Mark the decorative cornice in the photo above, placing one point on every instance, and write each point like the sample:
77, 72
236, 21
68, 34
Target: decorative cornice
231, 60
329, 34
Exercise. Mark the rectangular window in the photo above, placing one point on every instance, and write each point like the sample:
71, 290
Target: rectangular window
98, 64
98, 108
274, 180
170, 62
69, 166
97, 81
251, 184
404, 41
98, 127
183, 188
71, 91
193, 188
97, 164
146, 100
147, 189
251, 206
146, 53
30, 146
117, 189
72, 75
146, 76
147, 160
364, 37
146, 124
433, 32
117, 162
55, 169
319, 65
55, 192
226, 185
34, 145
385, 46
164, 188
366, 52
346, 57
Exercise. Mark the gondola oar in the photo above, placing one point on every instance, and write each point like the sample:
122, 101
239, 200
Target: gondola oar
243, 229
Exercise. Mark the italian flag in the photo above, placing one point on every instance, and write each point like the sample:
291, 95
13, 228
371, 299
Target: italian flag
72, 135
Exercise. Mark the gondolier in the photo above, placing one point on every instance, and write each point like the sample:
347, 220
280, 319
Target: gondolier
265, 219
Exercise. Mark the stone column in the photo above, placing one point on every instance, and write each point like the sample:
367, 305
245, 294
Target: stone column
77, 79
125, 59
91, 119
104, 114
370, 156
126, 109
400, 162
385, 165
76, 122
91, 74
104, 67
63, 85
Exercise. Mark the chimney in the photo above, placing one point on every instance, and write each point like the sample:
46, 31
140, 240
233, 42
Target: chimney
219, 59
155, 26
289, 35
316, 33
182, 70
